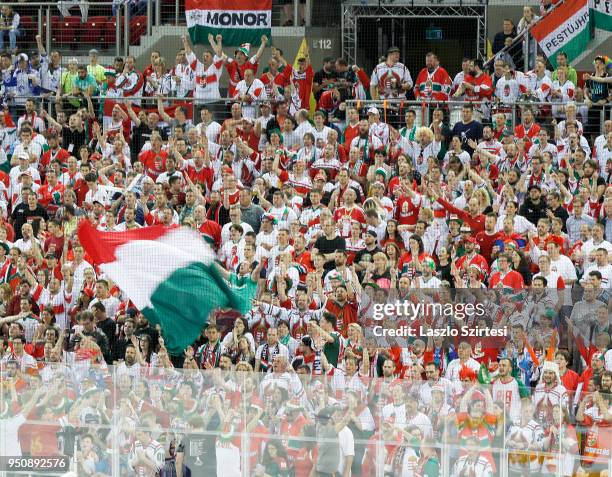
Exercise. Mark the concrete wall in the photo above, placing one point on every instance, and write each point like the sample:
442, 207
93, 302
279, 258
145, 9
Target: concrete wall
496, 15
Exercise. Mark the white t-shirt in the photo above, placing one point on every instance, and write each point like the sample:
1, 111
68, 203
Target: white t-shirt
9, 429
347, 447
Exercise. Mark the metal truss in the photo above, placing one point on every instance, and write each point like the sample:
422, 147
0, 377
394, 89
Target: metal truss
351, 13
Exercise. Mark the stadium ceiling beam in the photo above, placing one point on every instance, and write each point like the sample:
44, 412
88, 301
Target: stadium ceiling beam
351, 13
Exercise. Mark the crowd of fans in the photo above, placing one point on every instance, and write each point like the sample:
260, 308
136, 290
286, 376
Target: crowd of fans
328, 216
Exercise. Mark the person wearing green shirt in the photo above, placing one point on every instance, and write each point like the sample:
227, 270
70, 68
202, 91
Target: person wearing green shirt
243, 284
67, 81
331, 348
94, 69
571, 72
84, 83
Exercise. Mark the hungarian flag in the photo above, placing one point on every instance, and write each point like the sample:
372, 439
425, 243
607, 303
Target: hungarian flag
238, 21
602, 14
169, 274
566, 28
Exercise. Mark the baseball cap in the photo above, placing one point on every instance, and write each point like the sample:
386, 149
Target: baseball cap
372, 233
465, 229
393, 49
471, 239
26, 173
22, 57
373, 110
93, 51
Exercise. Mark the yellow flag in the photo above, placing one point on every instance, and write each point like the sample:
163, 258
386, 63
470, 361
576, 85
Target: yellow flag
302, 53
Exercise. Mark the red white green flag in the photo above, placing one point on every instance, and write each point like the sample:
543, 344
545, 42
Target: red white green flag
564, 29
169, 274
238, 21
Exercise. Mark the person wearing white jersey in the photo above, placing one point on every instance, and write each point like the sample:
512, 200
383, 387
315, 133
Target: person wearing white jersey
147, 455
378, 128
390, 79
250, 90
505, 389
207, 73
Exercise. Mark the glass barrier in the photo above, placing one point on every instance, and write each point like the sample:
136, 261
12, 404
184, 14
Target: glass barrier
127, 420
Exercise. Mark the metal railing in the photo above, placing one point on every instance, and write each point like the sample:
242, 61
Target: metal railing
393, 111
519, 49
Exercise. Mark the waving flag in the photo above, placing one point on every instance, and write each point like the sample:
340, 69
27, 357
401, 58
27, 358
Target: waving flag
239, 21
169, 274
602, 14
566, 28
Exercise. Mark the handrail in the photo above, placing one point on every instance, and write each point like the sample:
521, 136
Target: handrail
52, 4
520, 37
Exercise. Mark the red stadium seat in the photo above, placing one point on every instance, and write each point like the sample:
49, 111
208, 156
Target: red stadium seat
111, 30
69, 29
95, 31
138, 27
29, 28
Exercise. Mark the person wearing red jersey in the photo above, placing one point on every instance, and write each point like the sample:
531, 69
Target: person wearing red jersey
55, 152
594, 414
154, 160
477, 86
506, 277
485, 239
199, 168
433, 82
329, 101
408, 205
351, 131
343, 307
473, 217
471, 257
276, 66
569, 378
345, 215
240, 63
528, 130
50, 194
300, 81
209, 229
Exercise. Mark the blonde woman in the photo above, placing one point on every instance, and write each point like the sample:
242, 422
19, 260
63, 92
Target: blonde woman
484, 200
526, 22
424, 147
378, 271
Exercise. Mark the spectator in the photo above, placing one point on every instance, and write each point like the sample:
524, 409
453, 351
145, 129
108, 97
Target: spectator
9, 23
508, 31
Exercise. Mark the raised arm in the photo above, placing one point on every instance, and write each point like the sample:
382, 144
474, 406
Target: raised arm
162, 114
216, 43
41, 48
187, 45
133, 116
262, 47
